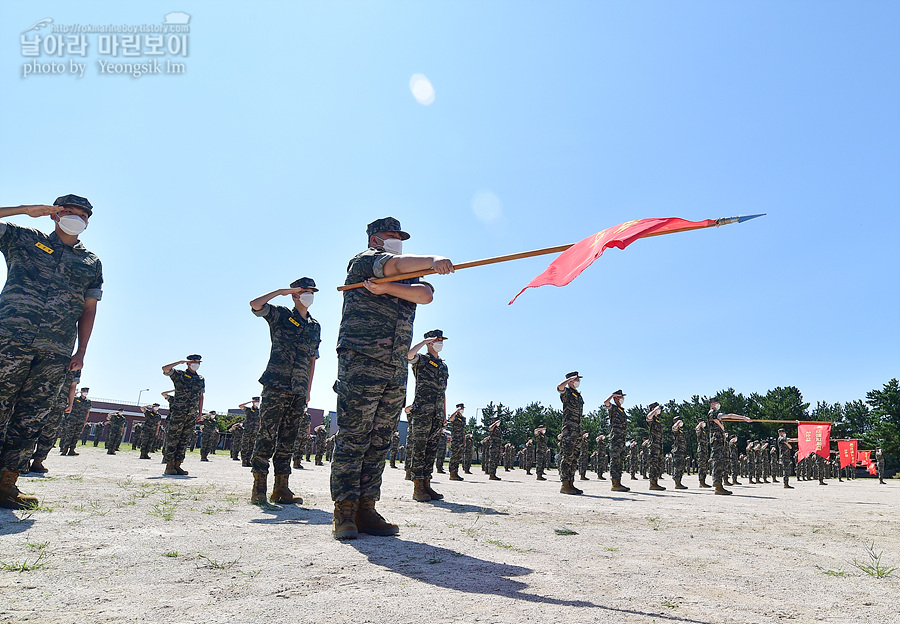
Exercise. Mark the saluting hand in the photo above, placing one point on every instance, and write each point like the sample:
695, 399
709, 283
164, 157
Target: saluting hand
41, 211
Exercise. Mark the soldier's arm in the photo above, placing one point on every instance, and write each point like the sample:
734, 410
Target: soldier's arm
73, 390
408, 263
166, 393
415, 293
258, 303
202, 394
32, 210
85, 327
168, 368
411, 355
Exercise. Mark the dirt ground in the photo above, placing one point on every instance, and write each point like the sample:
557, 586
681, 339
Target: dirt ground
115, 541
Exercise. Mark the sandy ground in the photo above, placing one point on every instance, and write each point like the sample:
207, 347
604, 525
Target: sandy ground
115, 541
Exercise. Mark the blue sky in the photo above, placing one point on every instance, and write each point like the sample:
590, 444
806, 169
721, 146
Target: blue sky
294, 125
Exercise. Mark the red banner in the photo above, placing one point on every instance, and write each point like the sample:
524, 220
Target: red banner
873, 469
814, 438
570, 263
847, 451
864, 457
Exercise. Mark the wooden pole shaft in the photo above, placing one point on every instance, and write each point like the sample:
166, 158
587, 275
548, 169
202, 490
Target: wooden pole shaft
466, 265
792, 422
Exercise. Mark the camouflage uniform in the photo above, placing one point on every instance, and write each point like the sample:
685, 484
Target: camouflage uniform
785, 452
717, 446
655, 459
47, 285
248, 440
440, 452
329, 448
74, 423
54, 428
394, 450
679, 451
602, 459
733, 459
468, 447
508, 456
428, 410
149, 430
295, 343
116, 423
321, 443
237, 434
540, 451
634, 459
879, 464
584, 457
457, 441
529, 456
570, 442
136, 434
618, 422
208, 429
702, 453
485, 447
184, 407
373, 341
494, 449
300, 445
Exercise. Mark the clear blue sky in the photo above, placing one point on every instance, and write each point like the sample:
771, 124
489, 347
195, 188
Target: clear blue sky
294, 125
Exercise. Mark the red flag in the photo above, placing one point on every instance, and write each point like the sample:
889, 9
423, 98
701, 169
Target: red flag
570, 263
814, 438
847, 451
873, 469
864, 457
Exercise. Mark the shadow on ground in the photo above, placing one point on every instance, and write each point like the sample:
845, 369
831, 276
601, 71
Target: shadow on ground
292, 514
415, 560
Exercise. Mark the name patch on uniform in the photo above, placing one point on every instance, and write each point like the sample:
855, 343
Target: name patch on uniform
435, 364
188, 377
43, 247
293, 322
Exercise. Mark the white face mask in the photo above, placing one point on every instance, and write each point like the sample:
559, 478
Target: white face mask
255, 403
306, 299
576, 383
393, 245
437, 346
194, 367
73, 225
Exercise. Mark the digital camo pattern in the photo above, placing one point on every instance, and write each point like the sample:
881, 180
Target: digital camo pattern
618, 422
295, 343
570, 442
279, 422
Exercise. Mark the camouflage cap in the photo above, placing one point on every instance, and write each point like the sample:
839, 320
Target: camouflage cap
460, 405
75, 200
572, 374
193, 358
254, 398
85, 389
653, 406
388, 224
618, 392
212, 412
305, 282
435, 333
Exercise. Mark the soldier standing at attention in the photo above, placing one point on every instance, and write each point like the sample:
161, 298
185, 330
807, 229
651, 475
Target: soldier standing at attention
495, 435
251, 426
602, 460
733, 459
395, 448
879, 465
655, 459
785, 451
584, 456
428, 411
208, 429
114, 434
679, 451
295, 337
321, 443
540, 451
528, 456
149, 430
717, 442
54, 428
570, 436
618, 422
373, 344
75, 422
440, 453
237, 432
185, 407
50, 298
457, 440
702, 452
485, 447
136, 435
303, 434
468, 448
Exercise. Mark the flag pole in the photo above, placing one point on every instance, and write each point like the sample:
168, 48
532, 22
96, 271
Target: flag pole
535, 252
792, 422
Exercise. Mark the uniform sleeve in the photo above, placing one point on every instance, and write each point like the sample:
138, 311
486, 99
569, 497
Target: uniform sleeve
362, 268
263, 311
95, 290
429, 284
415, 360
171, 373
8, 234
379, 260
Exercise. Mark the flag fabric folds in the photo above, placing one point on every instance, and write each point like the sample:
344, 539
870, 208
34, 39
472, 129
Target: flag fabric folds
864, 457
847, 451
814, 438
570, 263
